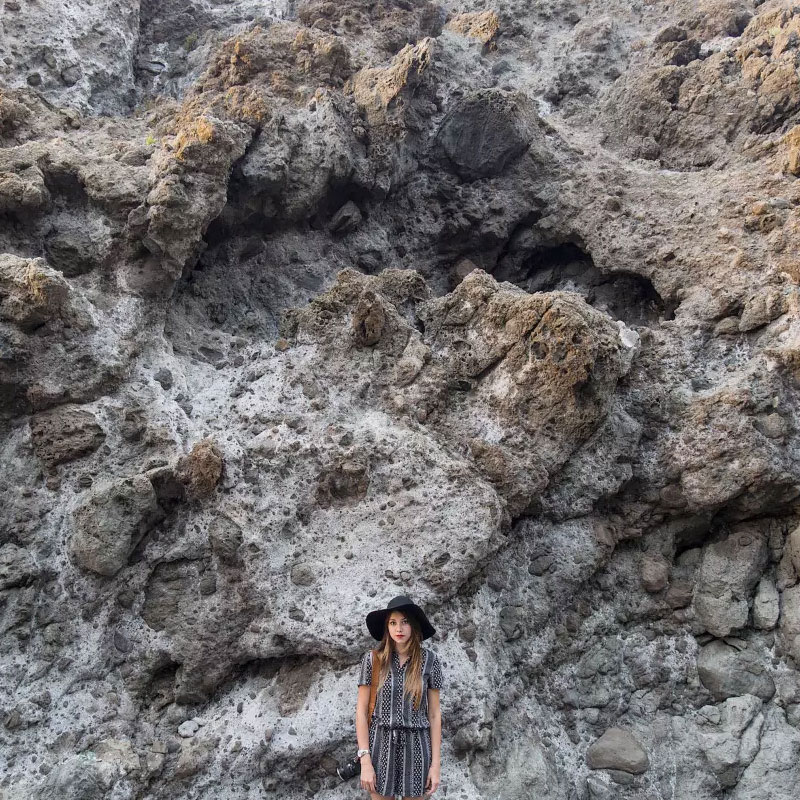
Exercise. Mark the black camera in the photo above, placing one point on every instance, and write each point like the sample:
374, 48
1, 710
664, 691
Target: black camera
349, 769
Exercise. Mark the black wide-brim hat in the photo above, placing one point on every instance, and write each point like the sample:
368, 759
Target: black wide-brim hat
376, 620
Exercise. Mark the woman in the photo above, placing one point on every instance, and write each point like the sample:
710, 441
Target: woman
400, 747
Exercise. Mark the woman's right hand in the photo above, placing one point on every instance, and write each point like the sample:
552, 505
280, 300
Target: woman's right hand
367, 774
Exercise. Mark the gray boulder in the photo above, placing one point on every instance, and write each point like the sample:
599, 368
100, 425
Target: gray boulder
111, 522
618, 749
766, 605
727, 672
485, 132
728, 575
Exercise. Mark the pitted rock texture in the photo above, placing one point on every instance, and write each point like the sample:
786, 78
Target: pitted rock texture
304, 305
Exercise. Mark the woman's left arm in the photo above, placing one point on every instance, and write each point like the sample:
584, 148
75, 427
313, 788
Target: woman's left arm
435, 718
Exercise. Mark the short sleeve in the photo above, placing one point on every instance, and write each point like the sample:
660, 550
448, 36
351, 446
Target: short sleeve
435, 679
365, 673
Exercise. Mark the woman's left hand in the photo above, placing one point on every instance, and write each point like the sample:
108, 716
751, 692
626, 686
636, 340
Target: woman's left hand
433, 781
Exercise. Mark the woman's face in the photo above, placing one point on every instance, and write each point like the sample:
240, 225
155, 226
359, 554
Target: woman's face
399, 628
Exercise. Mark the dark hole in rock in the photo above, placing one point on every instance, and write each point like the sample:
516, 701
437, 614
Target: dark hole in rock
64, 182
566, 267
160, 689
217, 233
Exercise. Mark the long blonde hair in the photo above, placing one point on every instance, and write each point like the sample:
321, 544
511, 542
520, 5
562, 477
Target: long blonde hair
383, 657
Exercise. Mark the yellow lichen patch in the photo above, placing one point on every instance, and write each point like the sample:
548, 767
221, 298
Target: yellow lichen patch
481, 25
201, 131
204, 130
246, 104
35, 283
240, 57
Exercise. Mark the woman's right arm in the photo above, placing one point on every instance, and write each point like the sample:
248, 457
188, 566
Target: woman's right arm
362, 734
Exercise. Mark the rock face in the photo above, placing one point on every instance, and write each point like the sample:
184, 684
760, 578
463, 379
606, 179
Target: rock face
307, 305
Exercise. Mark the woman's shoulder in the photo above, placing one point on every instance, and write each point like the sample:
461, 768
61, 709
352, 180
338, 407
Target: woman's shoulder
430, 655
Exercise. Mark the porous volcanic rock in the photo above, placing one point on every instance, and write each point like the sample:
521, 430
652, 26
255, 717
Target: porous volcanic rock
307, 305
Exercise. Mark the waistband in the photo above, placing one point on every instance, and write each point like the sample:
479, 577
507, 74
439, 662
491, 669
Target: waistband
402, 727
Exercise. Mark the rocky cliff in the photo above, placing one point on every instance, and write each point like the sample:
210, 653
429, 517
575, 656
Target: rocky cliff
307, 304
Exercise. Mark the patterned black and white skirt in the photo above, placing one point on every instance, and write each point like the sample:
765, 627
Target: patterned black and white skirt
401, 758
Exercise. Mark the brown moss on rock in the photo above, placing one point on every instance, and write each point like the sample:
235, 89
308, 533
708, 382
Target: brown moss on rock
200, 470
481, 25
286, 59
383, 92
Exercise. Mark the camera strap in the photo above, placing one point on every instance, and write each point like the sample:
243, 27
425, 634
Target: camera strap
373, 688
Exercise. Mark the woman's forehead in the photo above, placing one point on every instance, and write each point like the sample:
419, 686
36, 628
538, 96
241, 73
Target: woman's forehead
397, 615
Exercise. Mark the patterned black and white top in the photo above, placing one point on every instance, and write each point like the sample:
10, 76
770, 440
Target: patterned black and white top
392, 708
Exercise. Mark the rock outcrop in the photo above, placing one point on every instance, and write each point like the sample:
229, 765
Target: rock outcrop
306, 305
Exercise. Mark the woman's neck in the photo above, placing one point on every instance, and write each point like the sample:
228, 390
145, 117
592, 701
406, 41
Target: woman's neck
402, 652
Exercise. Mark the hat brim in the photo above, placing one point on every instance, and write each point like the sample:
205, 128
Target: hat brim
376, 620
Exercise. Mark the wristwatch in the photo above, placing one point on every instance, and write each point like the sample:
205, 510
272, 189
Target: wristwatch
362, 753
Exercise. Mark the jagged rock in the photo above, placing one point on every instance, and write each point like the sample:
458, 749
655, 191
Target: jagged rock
385, 93
368, 320
480, 329
98, 38
789, 567
730, 736
290, 173
775, 764
618, 749
684, 97
74, 779
394, 24
346, 219
23, 191
118, 753
72, 252
64, 434
164, 377
17, 566
178, 210
110, 523
196, 753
